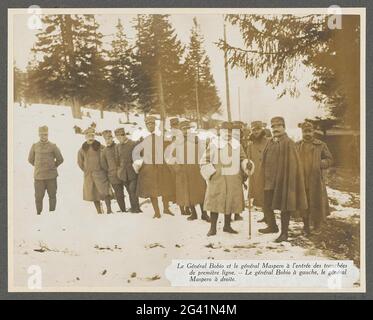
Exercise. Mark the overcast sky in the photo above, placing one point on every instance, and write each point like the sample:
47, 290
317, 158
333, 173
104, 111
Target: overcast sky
258, 101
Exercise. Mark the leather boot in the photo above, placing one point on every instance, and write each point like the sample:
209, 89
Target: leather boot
98, 206
157, 214
205, 216
108, 205
306, 226
193, 216
227, 224
213, 222
285, 220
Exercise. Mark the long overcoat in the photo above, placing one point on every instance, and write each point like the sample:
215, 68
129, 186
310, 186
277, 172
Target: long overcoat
255, 151
96, 184
155, 177
224, 193
289, 194
321, 159
190, 185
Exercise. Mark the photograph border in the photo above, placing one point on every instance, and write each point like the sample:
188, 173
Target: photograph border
364, 117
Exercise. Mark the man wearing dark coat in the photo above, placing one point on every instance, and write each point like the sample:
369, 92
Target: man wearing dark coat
155, 178
45, 157
96, 184
316, 158
126, 172
283, 180
255, 148
109, 164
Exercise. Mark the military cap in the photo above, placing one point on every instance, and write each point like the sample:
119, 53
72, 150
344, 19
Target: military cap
119, 132
257, 124
306, 125
107, 133
277, 120
43, 129
89, 130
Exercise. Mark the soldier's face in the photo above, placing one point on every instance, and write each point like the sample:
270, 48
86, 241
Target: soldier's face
257, 131
150, 126
109, 141
122, 138
278, 130
90, 137
307, 134
43, 137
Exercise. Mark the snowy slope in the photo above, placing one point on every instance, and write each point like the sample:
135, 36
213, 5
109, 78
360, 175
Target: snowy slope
75, 247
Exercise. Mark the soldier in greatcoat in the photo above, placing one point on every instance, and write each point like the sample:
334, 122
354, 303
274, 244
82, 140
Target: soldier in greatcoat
96, 185
190, 185
126, 172
316, 158
110, 165
224, 176
45, 157
283, 180
155, 178
255, 148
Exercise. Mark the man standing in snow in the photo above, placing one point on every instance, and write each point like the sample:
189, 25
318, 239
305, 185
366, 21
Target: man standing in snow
45, 157
155, 177
283, 180
109, 164
96, 184
126, 172
315, 157
190, 185
255, 148
223, 166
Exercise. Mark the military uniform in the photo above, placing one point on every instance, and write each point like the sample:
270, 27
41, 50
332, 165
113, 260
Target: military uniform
109, 164
96, 185
255, 149
45, 157
125, 171
283, 182
316, 158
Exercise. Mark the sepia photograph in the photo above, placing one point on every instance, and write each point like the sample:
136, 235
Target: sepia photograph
186, 150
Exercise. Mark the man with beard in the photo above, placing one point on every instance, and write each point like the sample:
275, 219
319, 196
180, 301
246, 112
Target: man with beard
96, 184
155, 177
223, 166
283, 180
126, 172
45, 157
315, 157
190, 185
109, 164
255, 151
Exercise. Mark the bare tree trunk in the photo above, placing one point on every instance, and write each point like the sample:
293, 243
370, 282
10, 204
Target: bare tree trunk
75, 108
102, 112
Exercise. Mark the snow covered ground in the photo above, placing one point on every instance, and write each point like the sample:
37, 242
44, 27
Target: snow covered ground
75, 247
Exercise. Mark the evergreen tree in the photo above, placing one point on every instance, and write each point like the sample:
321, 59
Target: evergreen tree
201, 89
279, 46
19, 85
159, 72
120, 73
71, 68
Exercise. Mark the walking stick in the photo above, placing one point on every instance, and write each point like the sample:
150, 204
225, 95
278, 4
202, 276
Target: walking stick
248, 189
248, 196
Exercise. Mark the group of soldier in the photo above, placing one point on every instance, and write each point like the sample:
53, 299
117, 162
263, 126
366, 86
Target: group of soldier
283, 175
